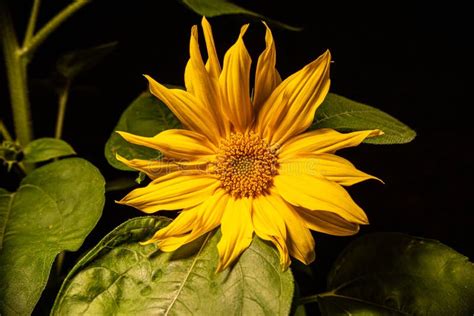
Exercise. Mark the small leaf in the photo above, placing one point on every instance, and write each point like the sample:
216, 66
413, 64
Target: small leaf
73, 63
121, 277
3, 191
44, 149
146, 116
345, 115
397, 274
211, 8
54, 209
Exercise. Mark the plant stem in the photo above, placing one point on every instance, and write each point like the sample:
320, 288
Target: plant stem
16, 74
62, 102
32, 22
4, 131
308, 299
29, 47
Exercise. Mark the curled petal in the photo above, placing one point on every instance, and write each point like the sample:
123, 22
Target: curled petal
329, 166
203, 85
323, 140
327, 222
187, 108
176, 143
266, 75
191, 223
237, 232
269, 225
290, 108
155, 168
234, 81
317, 193
174, 191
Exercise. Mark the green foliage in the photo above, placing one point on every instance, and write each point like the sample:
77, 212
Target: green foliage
211, 8
120, 276
73, 63
54, 209
346, 115
397, 274
146, 116
43, 149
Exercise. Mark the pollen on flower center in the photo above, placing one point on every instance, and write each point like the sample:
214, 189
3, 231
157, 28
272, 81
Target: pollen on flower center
246, 165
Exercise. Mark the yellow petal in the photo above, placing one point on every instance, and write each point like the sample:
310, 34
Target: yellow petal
187, 108
331, 167
266, 75
176, 143
317, 193
237, 232
269, 225
324, 140
213, 66
327, 222
156, 168
290, 108
191, 223
174, 191
300, 242
202, 85
234, 82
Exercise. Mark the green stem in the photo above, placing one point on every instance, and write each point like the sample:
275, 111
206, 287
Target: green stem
4, 131
30, 46
308, 299
62, 102
32, 22
16, 74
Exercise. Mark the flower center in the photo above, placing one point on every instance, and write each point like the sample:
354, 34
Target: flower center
246, 165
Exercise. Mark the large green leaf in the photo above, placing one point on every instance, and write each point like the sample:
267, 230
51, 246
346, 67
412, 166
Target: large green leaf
346, 115
43, 149
397, 274
54, 209
146, 116
211, 8
121, 277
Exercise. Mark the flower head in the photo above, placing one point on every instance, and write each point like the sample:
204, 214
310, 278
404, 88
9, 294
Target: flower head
246, 163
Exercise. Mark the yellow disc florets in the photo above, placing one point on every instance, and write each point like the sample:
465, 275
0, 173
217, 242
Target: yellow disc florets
246, 165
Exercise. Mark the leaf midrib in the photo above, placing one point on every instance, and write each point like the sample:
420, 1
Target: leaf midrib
187, 275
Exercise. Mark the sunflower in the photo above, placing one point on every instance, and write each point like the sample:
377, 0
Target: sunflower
247, 164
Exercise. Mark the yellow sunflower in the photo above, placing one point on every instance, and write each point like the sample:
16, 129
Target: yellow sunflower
246, 163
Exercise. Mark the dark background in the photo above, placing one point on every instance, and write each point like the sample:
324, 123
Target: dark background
411, 62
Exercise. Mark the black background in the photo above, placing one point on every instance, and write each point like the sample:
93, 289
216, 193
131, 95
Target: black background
411, 62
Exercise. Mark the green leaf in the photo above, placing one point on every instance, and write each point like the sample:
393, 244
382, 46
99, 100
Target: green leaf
146, 116
346, 115
121, 277
44, 149
3, 191
211, 8
54, 209
73, 63
397, 274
